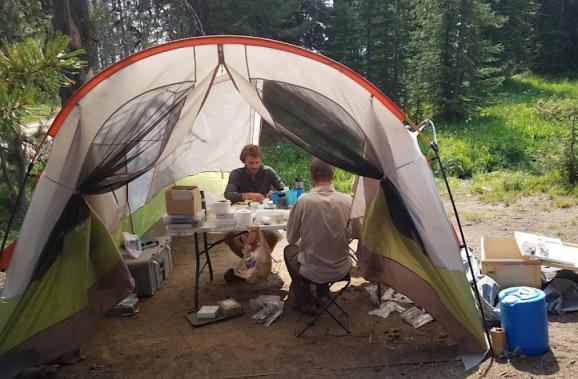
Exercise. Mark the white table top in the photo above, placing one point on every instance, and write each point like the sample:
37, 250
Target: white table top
207, 228
210, 227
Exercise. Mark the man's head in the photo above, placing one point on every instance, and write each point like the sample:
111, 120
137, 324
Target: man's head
320, 171
251, 157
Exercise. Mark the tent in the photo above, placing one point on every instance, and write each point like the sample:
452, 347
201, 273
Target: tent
187, 107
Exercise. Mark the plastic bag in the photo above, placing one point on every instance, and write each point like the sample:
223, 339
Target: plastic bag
391, 294
132, 245
387, 308
255, 266
268, 308
416, 317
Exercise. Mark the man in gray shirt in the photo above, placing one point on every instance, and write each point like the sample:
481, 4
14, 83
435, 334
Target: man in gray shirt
254, 181
250, 183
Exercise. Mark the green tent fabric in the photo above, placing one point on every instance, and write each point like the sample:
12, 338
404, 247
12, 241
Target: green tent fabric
87, 278
388, 256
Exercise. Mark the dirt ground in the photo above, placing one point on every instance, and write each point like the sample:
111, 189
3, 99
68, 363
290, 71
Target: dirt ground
159, 342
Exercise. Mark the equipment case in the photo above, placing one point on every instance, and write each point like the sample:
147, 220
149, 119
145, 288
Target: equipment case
151, 268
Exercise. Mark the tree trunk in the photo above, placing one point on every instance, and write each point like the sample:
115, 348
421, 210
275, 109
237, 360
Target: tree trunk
369, 41
71, 17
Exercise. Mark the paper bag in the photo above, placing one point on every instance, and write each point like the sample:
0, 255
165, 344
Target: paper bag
255, 266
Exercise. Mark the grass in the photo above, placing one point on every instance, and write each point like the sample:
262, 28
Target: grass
510, 150
507, 152
471, 217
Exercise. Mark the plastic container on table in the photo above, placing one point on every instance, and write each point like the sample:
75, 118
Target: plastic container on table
281, 201
291, 197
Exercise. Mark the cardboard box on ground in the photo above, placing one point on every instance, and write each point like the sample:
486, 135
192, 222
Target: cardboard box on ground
183, 200
503, 262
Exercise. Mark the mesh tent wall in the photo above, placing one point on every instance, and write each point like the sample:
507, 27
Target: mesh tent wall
187, 107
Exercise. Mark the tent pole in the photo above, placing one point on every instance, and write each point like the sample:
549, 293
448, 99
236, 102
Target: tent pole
434, 147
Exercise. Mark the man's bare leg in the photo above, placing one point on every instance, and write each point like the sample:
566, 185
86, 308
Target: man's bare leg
236, 243
272, 237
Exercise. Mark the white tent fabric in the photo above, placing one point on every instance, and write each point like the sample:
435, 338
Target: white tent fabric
189, 106
218, 108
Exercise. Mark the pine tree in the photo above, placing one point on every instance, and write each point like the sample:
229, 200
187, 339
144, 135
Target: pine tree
344, 30
29, 75
556, 37
455, 63
517, 33
386, 45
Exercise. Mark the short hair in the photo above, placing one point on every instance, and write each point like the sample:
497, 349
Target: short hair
320, 170
250, 150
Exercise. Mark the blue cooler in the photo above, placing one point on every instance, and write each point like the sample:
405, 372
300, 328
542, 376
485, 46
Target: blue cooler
524, 316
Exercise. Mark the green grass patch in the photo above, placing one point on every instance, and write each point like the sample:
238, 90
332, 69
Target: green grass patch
563, 202
511, 134
511, 149
471, 217
509, 186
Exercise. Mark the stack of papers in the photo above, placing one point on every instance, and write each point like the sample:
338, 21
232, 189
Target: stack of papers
208, 312
182, 222
225, 220
546, 249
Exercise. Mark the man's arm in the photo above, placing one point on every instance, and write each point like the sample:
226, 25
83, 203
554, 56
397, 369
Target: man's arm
294, 224
276, 181
232, 190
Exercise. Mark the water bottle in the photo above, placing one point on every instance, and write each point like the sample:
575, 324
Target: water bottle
298, 182
298, 187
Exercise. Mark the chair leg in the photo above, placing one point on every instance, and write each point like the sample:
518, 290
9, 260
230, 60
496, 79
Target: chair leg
333, 301
325, 308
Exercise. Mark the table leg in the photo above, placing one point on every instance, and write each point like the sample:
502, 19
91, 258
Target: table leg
197, 273
208, 256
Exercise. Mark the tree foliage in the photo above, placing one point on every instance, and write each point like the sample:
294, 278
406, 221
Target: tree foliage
556, 37
29, 75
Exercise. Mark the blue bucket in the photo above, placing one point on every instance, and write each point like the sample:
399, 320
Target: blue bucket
524, 316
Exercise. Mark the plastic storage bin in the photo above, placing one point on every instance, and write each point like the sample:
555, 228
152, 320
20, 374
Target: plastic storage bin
524, 316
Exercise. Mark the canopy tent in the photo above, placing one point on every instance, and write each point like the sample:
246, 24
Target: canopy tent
187, 107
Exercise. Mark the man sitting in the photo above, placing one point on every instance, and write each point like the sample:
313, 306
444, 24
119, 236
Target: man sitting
319, 231
250, 183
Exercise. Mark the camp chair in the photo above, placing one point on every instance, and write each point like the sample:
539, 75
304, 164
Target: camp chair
325, 305
351, 251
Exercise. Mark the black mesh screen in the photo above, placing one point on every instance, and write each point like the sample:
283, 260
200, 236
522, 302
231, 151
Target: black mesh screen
318, 125
400, 214
126, 146
132, 139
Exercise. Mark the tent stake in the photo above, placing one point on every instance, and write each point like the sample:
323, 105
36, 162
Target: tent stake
434, 147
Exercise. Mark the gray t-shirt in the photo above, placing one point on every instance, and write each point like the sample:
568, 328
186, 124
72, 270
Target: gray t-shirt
240, 182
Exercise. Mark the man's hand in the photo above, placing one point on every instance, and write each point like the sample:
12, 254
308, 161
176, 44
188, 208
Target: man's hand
253, 196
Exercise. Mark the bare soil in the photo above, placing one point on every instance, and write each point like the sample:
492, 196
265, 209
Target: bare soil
159, 342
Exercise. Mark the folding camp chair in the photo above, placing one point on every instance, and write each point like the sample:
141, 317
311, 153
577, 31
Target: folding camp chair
325, 305
352, 252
